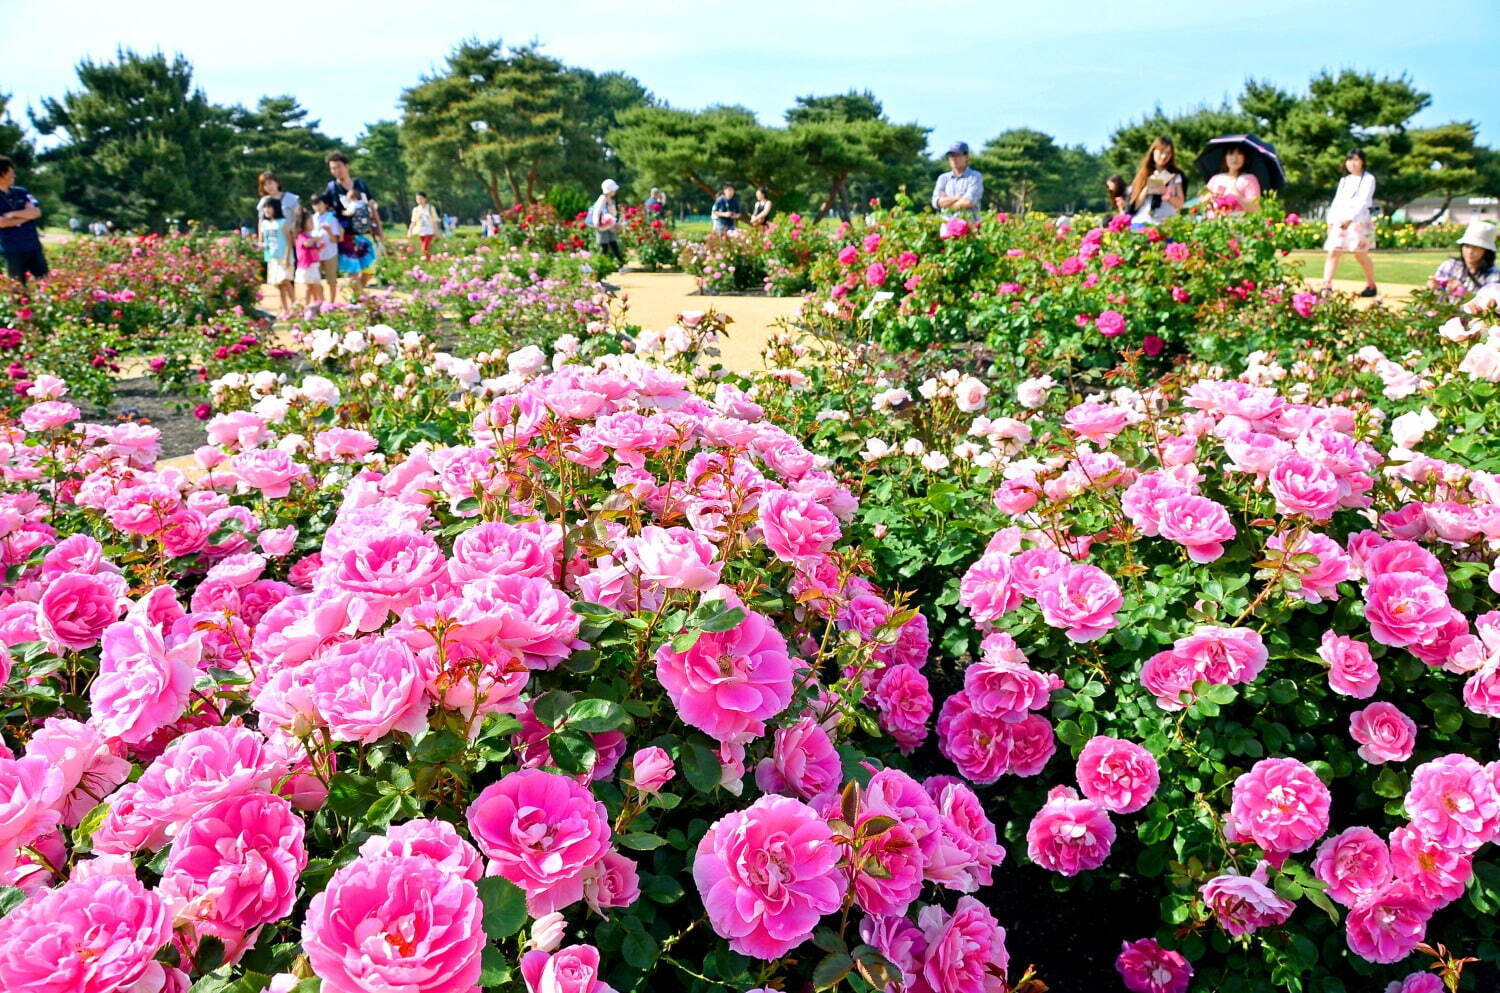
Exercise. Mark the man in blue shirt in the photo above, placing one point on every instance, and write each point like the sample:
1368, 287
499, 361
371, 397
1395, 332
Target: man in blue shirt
18, 235
959, 191
727, 210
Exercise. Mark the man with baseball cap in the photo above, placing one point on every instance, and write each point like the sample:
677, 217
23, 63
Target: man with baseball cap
959, 191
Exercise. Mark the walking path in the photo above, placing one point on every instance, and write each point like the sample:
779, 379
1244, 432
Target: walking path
656, 298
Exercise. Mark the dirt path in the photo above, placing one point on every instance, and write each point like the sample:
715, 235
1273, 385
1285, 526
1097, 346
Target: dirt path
656, 298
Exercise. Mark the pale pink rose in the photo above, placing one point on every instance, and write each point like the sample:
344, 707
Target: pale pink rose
795, 527
1197, 523
1082, 600
547, 932
386, 573
1388, 925
1482, 362
365, 689
95, 935
1351, 669
49, 414
1245, 904
1435, 873
1118, 775
767, 915
497, 548
1453, 801
142, 685
904, 705
236, 429
1304, 487
1146, 967
196, 771
1384, 733
803, 762
90, 771
541, 831
1281, 805
277, 542
729, 683
1482, 689
1096, 422
235, 866
1069, 835
966, 852
1320, 580
652, 769
76, 607
31, 790
613, 881
438, 840
1354, 864
395, 922
1032, 393
343, 445
988, 589
269, 470
965, 949
672, 558
969, 394
574, 969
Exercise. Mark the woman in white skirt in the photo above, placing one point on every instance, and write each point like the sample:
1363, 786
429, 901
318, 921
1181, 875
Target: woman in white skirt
1350, 226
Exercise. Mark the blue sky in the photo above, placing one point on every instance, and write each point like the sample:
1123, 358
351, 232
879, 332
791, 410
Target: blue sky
1073, 68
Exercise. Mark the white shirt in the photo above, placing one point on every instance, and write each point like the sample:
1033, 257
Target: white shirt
1353, 199
329, 222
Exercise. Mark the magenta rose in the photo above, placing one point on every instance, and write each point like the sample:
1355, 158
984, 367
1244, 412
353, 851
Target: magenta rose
803, 762
1069, 835
1245, 904
1082, 600
1146, 967
1388, 925
142, 685
541, 831
887, 867
1453, 801
1110, 323
1354, 864
1118, 775
1437, 874
76, 607
1281, 805
31, 789
729, 683
965, 949
766, 914
903, 701
395, 923
1384, 733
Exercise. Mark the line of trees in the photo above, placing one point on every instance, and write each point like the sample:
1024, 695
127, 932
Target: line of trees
138, 143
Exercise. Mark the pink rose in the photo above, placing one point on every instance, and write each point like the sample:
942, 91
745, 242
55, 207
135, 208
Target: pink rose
1304, 487
999, 687
49, 414
1146, 967
673, 558
1453, 801
1354, 864
1069, 834
395, 922
541, 831
235, 866
978, 744
765, 915
1351, 669
365, 689
875, 274
1417, 982
965, 949
1197, 523
796, 528
1245, 904
803, 762
887, 867
848, 255
142, 685
1281, 805
386, 573
653, 769
90, 771
1222, 655
1118, 775
437, 840
94, 935
1436, 874
496, 548
954, 227
729, 683
966, 851
899, 940
343, 445
1406, 609
277, 542
1384, 733
613, 881
269, 470
1110, 323
903, 703
31, 790
524, 615
1388, 925
1082, 600
1096, 422
574, 969
76, 607
988, 588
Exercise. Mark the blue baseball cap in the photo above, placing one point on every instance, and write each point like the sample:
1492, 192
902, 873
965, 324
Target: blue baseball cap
959, 148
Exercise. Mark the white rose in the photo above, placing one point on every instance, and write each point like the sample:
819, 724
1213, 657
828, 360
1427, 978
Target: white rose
526, 361
1032, 393
969, 394
1409, 429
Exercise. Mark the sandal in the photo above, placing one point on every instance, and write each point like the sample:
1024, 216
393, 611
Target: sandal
1368, 291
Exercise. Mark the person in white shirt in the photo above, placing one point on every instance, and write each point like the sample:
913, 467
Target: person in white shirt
425, 224
1350, 226
328, 250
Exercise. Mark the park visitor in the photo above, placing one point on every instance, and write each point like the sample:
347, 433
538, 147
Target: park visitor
604, 217
1473, 268
1350, 226
760, 214
424, 223
656, 202
727, 210
270, 188
1234, 191
364, 224
1159, 189
328, 246
1117, 193
341, 192
958, 191
19, 238
306, 246
276, 250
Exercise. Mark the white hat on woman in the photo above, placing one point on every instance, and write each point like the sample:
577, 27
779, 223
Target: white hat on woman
609, 186
1480, 233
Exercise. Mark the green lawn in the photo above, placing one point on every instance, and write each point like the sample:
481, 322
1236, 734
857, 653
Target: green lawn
1409, 268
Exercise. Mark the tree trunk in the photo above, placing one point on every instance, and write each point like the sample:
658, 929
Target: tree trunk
531, 180
515, 188
1447, 202
697, 181
492, 186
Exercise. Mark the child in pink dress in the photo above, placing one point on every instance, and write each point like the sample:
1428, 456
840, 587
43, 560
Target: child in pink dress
308, 244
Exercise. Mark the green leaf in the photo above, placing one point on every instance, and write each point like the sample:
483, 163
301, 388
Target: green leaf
595, 716
686, 640
641, 841
550, 708
832, 970
572, 751
494, 967
724, 620
700, 766
504, 907
11, 897
639, 947
350, 794
438, 747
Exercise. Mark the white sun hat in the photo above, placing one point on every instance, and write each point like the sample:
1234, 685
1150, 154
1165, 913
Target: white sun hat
609, 186
1480, 233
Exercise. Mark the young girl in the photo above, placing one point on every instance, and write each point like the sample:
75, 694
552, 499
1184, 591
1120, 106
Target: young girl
1160, 189
1234, 190
276, 249
1117, 193
365, 222
1351, 228
308, 246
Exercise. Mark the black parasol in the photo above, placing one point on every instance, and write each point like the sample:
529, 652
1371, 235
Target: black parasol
1261, 159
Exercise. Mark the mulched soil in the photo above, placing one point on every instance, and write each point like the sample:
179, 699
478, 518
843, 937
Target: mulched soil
172, 414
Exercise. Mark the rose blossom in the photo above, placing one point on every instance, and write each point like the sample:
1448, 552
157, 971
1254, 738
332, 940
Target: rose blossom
803, 762
965, 949
31, 789
887, 867
613, 881
673, 558
1354, 864
395, 922
574, 969
1197, 523
1118, 775
1281, 805
729, 683
438, 840
541, 831
652, 769
796, 528
1245, 904
365, 689
76, 607
1082, 600
1146, 967
1417, 982
1384, 733
1351, 669
1453, 801
1388, 925
90, 771
765, 912
1435, 873
1406, 609
1069, 835
142, 685
904, 705
1302, 486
